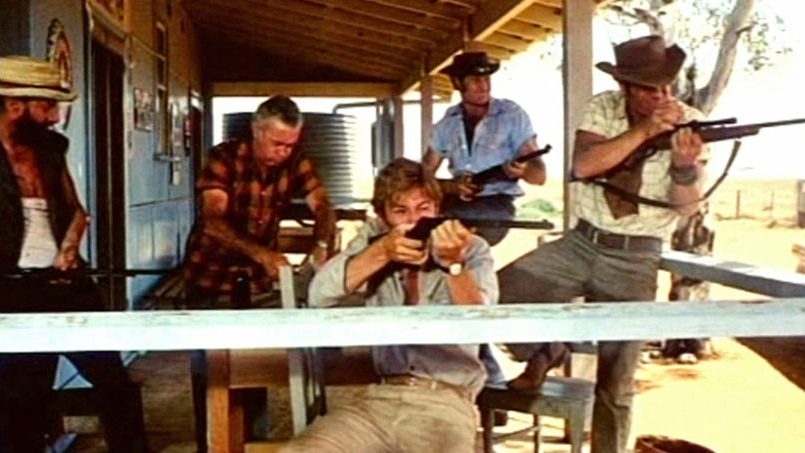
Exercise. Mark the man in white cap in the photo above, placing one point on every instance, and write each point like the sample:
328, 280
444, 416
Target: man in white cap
43, 225
626, 203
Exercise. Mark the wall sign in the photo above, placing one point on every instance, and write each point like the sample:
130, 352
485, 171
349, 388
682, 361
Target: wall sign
59, 52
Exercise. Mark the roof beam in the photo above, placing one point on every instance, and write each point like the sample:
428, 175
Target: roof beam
290, 20
492, 14
544, 16
345, 17
437, 9
417, 19
367, 67
323, 89
524, 30
507, 42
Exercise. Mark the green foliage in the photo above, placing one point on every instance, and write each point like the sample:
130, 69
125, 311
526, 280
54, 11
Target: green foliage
538, 208
698, 26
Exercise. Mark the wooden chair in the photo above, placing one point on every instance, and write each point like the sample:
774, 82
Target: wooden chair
562, 397
305, 371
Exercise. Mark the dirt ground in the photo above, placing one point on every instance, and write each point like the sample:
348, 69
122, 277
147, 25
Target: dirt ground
747, 398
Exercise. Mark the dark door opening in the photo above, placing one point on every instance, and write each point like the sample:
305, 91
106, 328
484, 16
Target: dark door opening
110, 189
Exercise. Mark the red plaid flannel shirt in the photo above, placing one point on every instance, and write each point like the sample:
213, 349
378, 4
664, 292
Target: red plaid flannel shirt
255, 209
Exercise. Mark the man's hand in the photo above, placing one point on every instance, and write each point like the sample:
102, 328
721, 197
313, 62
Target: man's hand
67, 258
686, 147
460, 186
450, 242
318, 257
664, 118
271, 262
404, 250
514, 169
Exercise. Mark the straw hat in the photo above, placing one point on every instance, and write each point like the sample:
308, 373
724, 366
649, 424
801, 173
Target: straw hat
26, 77
472, 63
645, 61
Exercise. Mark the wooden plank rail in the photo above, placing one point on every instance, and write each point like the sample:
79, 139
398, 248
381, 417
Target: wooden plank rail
735, 274
267, 328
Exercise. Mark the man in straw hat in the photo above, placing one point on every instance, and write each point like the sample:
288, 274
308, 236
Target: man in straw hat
613, 252
43, 224
479, 133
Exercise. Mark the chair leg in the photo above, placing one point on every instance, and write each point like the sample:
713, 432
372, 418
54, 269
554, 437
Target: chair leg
488, 424
576, 429
537, 434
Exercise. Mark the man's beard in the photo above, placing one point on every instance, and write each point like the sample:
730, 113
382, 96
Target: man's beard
28, 132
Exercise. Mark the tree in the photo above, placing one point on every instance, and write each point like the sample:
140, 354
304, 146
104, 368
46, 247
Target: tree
709, 30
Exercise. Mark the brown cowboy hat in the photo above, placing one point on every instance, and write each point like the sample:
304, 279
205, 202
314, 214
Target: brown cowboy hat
645, 61
472, 63
27, 77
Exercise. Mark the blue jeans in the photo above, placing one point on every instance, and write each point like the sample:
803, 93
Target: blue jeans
571, 267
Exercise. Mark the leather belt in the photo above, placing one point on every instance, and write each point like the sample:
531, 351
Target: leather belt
618, 241
427, 383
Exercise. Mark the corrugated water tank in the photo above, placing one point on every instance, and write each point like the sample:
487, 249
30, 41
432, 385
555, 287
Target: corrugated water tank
330, 142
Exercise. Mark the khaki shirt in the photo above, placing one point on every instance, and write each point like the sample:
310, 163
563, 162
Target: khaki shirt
606, 115
453, 364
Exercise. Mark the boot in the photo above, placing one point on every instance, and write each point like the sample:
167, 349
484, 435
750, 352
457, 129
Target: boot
538, 366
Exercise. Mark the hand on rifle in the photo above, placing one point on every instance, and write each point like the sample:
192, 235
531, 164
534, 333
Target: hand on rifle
514, 169
664, 118
271, 262
686, 147
461, 186
450, 242
401, 249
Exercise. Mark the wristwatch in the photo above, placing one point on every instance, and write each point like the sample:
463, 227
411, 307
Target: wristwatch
455, 269
322, 244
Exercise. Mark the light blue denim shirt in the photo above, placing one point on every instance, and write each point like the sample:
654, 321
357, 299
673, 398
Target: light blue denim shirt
498, 137
454, 364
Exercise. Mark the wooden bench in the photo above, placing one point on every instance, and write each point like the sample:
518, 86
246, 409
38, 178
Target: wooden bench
562, 397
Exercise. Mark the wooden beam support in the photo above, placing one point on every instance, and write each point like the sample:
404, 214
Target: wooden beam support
426, 112
328, 89
426, 324
434, 9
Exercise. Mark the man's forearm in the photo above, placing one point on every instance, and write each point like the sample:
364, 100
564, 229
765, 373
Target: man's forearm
464, 289
75, 231
365, 264
228, 238
686, 190
593, 159
324, 228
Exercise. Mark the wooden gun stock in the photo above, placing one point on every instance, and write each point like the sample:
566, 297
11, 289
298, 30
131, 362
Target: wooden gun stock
498, 172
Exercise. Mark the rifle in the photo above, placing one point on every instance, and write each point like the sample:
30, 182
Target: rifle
717, 130
498, 172
421, 231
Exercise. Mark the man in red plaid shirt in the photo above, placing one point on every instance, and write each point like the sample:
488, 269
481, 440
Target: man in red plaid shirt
244, 187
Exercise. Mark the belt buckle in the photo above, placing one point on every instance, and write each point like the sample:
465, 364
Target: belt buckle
594, 234
626, 242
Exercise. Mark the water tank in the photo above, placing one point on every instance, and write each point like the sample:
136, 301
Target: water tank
329, 140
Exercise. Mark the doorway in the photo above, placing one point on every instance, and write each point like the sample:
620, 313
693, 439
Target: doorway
106, 116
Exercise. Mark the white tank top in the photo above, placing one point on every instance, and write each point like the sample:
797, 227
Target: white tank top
39, 248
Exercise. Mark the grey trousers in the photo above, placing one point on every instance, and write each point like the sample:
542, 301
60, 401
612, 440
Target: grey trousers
571, 267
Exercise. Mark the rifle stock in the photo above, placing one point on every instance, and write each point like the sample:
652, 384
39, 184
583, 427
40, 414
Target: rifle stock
421, 231
714, 131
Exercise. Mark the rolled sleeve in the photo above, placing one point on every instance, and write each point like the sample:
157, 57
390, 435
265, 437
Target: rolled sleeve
482, 267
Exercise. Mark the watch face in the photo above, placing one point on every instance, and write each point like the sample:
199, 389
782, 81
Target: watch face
455, 268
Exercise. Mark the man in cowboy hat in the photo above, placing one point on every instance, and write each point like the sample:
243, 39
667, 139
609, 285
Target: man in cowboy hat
43, 224
613, 252
479, 133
